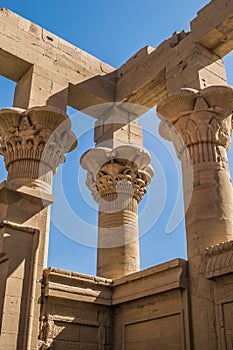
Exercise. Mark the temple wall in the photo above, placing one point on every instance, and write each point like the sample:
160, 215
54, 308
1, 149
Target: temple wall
148, 308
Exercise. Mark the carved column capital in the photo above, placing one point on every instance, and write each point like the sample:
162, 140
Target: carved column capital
122, 170
199, 121
33, 142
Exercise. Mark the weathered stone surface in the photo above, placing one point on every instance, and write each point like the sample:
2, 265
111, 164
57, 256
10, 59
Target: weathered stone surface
184, 60
171, 306
200, 126
70, 314
90, 81
76, 310
21, 254
45, 65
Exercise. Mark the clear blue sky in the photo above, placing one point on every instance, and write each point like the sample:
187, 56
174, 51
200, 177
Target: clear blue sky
112, 31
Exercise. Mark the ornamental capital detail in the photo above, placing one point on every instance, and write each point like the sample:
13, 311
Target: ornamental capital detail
200, 121
122, 170
34, 141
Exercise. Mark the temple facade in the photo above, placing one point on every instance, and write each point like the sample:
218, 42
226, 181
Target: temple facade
176, 305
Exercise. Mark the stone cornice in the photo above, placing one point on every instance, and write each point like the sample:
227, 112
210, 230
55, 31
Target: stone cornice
10, 225
219, 259
74, 286
219, 248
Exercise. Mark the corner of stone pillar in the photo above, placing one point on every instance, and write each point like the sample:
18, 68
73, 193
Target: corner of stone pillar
40, 87
118, 125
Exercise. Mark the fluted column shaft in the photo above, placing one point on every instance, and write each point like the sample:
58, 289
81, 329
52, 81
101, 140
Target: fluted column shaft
199, 124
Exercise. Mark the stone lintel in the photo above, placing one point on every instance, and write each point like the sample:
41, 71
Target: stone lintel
70, 68
53, 64
212, 29
98, 90
194, 67
17, 28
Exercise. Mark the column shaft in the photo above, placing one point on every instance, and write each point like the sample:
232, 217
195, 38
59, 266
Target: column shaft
118, 178
200, 124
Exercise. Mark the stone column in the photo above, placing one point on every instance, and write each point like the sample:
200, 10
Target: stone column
33, 144
118, 173
117, 179
199, 123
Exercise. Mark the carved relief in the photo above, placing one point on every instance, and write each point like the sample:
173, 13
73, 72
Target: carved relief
124, 170
200, 122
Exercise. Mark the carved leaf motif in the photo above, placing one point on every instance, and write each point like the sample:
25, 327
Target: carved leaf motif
25, 123
29, 144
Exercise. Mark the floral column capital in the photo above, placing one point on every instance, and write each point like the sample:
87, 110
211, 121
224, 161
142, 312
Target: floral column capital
33, 142
200, 121
125, 169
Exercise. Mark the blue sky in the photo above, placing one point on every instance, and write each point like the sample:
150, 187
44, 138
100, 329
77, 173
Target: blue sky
112, 31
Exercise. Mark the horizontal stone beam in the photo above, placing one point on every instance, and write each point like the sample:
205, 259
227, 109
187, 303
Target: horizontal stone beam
142, 79
11, 66
94, 91
51, 71
54, 64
